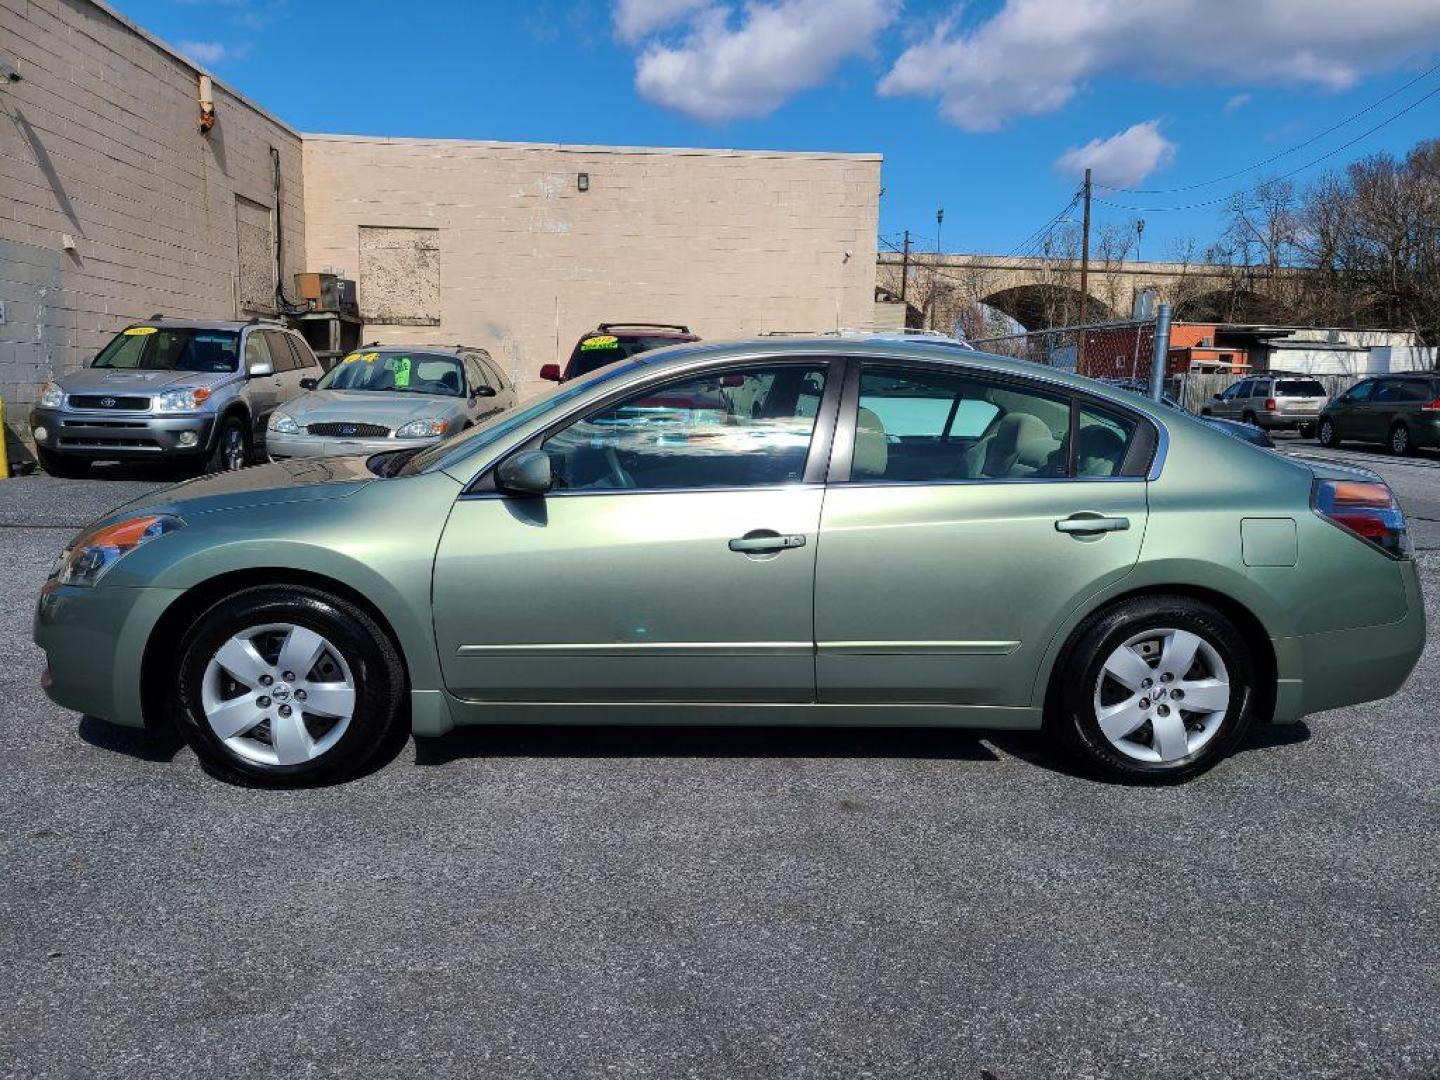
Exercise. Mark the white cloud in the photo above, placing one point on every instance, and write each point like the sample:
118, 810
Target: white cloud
1239, 101
1033, 56
1122, 160
636, 18
206, 52
724, 67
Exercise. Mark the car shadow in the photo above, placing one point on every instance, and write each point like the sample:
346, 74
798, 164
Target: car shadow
146, 744
700, 741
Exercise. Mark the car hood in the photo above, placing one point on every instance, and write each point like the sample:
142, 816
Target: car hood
136, 380
293, 481
385, 407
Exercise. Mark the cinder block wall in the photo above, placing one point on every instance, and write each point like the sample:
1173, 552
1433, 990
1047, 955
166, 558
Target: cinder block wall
728, 242
101, 141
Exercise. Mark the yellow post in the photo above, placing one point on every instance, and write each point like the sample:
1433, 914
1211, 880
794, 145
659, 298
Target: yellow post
4, 450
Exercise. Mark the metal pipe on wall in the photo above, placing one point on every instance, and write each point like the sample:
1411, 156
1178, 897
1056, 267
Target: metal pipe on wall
1162, 352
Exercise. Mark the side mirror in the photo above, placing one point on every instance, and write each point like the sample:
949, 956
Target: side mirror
309, 383
260, 370
1216, 397
484, 391
526, 474
550, 373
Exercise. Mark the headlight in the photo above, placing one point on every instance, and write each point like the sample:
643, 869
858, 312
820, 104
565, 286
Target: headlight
283, 425
185, 399
422, 429
92, 553
52, 397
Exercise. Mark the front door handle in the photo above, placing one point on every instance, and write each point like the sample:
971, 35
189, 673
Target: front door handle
1091, 523
761, 542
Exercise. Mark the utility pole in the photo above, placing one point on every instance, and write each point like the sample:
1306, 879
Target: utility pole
905, 266
1084, 279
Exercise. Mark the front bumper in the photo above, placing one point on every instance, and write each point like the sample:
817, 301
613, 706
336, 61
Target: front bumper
300, 446
1347, 667
119, 434
94, 641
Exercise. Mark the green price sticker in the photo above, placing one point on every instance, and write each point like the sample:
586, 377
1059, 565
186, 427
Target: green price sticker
402, 371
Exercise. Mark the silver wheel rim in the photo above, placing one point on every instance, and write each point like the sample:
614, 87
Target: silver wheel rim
1326, 431
1162, 695
234, 449
1399, 440
278, 694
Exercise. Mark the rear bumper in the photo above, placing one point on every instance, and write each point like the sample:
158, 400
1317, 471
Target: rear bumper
1346, 667
119, 435
303, 446
1286, 421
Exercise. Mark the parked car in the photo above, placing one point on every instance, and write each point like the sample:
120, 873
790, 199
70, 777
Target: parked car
1239, 429
612, 342
845, 542
1273, 402
1400, 410
198, 393
391, 397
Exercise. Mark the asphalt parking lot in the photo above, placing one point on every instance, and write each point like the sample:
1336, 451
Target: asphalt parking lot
714, 903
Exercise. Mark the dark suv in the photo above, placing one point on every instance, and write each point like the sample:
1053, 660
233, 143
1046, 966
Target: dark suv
1400, 410
610, 342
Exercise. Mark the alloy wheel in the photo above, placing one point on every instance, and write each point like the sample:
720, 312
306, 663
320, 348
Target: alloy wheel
234, 449
278, 694
1327, 433
1162, 695
1400, 439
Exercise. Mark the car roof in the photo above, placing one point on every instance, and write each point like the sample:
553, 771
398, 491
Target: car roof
209, 324
940, 353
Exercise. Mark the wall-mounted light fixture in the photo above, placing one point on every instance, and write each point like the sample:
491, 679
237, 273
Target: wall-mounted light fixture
207, 104
583, 181
8, 71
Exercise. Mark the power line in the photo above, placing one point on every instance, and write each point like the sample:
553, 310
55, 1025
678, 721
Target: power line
1284, 153
1283, 176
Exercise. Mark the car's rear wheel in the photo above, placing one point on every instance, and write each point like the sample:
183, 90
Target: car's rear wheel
1327, 435
1400, 440
1154, 690
63, 465
286, 687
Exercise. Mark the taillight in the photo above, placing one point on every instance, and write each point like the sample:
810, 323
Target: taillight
1270, 405
1366, 508
1431, 406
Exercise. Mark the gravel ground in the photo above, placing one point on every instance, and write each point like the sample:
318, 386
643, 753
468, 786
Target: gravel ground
710, 903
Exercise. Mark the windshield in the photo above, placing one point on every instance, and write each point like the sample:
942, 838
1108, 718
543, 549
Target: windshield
155, 348
488, 431
1299, 388
410, 373
597, 350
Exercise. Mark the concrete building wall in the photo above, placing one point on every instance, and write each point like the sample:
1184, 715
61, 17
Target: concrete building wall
101, 142
727, 242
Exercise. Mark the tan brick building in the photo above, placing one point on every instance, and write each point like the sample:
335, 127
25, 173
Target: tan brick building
114, 206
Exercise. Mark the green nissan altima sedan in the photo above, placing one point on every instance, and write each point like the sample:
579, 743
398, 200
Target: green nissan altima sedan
788, 531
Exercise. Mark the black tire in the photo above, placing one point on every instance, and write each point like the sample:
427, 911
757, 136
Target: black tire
63, 465
1249, 418
1072, 720
1326, 435
375, 665
1399, 442
224, 455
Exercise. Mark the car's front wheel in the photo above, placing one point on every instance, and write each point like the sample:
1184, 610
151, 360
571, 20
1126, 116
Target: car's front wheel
232, 447
1327, 435
1400, 440
285, 687
1154, 690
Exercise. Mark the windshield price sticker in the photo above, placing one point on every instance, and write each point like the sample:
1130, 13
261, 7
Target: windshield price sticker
606, 341
141, 331
402, 371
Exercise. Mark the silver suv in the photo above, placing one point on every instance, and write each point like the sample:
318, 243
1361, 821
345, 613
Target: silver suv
1271, 402
195, 392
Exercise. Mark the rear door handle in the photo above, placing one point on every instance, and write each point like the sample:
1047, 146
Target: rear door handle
1091, 523
751, 543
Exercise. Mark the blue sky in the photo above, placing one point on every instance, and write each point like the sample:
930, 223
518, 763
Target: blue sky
982, 109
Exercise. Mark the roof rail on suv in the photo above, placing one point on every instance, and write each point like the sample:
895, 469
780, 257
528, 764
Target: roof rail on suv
607, 327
